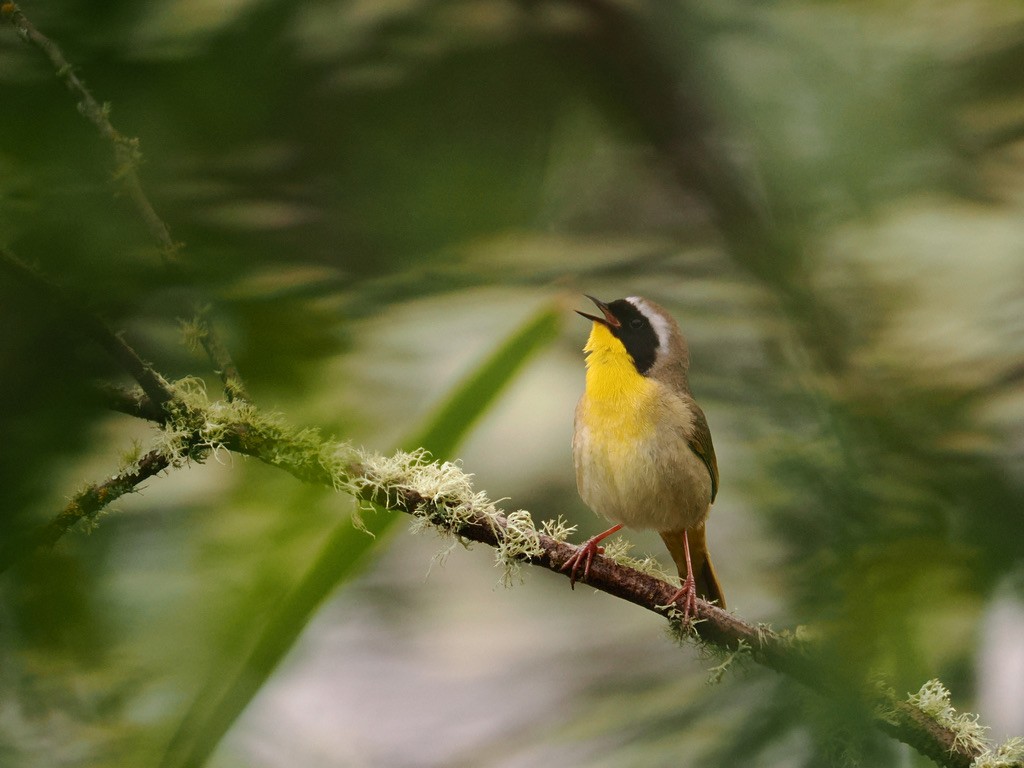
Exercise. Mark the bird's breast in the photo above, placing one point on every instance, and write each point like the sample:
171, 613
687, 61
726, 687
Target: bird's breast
633, 463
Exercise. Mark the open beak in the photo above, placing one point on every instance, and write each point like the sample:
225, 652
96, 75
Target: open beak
609, 319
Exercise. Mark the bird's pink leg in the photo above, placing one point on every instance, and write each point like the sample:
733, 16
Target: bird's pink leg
585, 555
688, 591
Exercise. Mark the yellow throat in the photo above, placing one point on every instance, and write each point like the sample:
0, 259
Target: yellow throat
619, 401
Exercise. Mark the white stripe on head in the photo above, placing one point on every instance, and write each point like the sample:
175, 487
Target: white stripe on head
658, 322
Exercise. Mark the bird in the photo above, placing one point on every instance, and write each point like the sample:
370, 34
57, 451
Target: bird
641, 445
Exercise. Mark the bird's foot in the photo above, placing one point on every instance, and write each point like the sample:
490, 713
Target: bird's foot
585, 555
686, 599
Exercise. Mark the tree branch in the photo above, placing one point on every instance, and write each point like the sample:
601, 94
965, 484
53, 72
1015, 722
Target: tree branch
946, 743
132, 402
441, 495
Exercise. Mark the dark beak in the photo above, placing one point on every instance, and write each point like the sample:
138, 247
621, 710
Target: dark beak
609, 319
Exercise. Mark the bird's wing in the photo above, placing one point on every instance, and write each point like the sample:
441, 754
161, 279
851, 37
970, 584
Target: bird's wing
700, 443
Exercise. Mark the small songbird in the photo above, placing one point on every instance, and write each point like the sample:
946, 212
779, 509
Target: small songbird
641, 444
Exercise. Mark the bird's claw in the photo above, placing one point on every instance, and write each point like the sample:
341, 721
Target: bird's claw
686, 598
584, 555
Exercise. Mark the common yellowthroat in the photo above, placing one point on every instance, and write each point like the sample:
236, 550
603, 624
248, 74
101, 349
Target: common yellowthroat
641, 444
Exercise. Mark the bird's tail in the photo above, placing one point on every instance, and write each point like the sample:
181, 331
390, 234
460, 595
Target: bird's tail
704, 574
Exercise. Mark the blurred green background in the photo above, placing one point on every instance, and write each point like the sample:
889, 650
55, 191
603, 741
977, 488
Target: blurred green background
375, 195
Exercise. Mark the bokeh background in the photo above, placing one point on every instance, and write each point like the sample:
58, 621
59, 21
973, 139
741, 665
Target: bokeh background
374, 195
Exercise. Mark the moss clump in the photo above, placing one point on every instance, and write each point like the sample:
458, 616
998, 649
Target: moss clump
726, 660
558, 529
1009, 754
934, 700
520, 542
618, 549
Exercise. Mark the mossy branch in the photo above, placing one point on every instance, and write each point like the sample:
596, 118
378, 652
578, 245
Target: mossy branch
84, 507
202, 331
441, 496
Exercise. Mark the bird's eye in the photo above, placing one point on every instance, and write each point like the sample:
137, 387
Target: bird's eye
636, 323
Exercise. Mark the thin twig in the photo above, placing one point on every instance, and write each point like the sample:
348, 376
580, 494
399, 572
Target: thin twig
85, 322
83, 507
234, 387
127, 156
132, 402
126, 149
